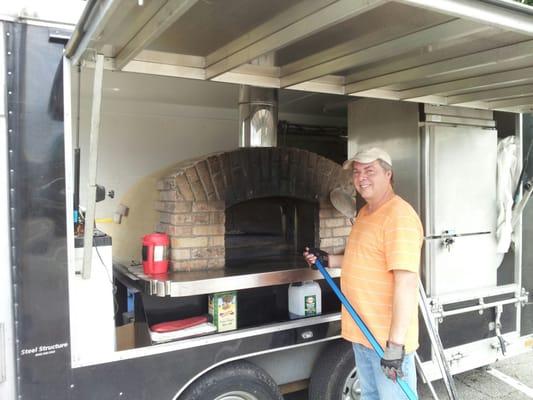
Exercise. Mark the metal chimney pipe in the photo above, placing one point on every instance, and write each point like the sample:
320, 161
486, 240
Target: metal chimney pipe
258, 116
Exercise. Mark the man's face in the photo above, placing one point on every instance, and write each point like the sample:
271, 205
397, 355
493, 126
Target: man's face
370, 180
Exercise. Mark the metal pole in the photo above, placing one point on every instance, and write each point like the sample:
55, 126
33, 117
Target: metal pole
436, 343
93, 164
424, 377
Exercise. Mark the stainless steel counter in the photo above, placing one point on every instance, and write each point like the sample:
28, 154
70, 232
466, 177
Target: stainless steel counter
180, 284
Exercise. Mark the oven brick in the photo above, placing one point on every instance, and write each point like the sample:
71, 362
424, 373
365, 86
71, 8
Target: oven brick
325, 212
331, 242
180, 254
208, 230
189, 265
208, 206
218, 182
217, 217
215, 263
184, 187
212, 196
339, 250
225, 164
168, 183
217, 252
199, 253
165, 218
205, 178
161, 227
168, 195
173, 230
187, 242
173, 206
332, 222
326, 232
208, 252
301, 171
195, 184
180, 219
338, 213
325, 169
216, 240
200, 218
198, 191
265, 164
325, 203
254, 171
344, 231
214, 166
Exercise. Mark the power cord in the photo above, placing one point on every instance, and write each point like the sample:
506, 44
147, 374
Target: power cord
113, 286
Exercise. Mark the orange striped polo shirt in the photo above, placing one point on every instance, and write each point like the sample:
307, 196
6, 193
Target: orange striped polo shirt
389, 238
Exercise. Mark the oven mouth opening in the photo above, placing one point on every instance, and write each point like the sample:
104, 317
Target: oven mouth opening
270, 230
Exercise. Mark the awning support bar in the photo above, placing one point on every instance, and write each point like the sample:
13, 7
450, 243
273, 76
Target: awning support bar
93, 164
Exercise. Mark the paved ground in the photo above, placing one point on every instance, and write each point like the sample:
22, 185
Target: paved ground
480, 384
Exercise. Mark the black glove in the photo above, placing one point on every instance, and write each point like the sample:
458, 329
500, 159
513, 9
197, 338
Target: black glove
392, 360
322, 256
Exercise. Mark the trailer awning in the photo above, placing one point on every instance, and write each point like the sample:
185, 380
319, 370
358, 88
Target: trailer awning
470, 53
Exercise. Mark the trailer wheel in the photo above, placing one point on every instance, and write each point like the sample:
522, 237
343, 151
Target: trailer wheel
240, 380
334, 375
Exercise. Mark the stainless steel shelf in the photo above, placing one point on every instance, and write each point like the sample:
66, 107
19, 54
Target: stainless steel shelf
180, 284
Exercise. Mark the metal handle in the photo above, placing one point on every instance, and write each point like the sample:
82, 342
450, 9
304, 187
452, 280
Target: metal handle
306, 335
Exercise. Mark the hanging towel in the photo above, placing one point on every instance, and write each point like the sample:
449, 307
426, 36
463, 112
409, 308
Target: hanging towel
507, 178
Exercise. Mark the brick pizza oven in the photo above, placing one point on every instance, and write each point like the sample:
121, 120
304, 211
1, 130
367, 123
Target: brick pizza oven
228, 208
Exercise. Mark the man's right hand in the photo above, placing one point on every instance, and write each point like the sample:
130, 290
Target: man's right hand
310, 258
311, 255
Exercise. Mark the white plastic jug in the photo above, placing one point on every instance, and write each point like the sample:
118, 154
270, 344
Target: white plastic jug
305, 299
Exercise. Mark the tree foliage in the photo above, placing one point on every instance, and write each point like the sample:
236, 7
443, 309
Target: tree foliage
528, 2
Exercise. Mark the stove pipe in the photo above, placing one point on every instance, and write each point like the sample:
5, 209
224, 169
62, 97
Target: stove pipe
258, 116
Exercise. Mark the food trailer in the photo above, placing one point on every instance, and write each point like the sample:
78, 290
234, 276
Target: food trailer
444, 86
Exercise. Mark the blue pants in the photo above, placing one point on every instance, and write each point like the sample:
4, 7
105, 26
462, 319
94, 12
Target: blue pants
373, 382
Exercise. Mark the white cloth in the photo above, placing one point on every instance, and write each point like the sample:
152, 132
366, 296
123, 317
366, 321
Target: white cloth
507, 179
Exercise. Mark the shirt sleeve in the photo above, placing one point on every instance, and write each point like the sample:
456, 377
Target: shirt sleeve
403, 242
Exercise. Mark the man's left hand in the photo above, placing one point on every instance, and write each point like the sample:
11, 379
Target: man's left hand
392, 360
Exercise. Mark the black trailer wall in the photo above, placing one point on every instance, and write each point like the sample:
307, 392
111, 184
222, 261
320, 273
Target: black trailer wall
37, 211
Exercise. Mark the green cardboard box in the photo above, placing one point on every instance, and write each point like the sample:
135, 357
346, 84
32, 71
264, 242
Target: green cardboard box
223, 310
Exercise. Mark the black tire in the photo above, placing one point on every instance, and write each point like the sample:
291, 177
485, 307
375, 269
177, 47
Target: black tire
241, 379
334, 375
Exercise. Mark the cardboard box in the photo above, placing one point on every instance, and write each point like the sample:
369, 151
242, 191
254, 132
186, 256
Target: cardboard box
125, 337
223, 310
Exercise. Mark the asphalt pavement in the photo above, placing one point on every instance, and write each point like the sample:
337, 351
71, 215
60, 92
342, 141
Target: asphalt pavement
510, 379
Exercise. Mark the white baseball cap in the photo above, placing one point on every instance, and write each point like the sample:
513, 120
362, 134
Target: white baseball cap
367, 156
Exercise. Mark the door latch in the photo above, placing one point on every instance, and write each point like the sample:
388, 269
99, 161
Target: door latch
447, 242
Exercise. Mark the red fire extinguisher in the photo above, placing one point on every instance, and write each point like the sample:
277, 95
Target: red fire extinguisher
155, 253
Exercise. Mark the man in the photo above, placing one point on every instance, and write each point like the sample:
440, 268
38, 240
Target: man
379, 276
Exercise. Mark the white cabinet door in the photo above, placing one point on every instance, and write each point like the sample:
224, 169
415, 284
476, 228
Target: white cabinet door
468, 263
461, 179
